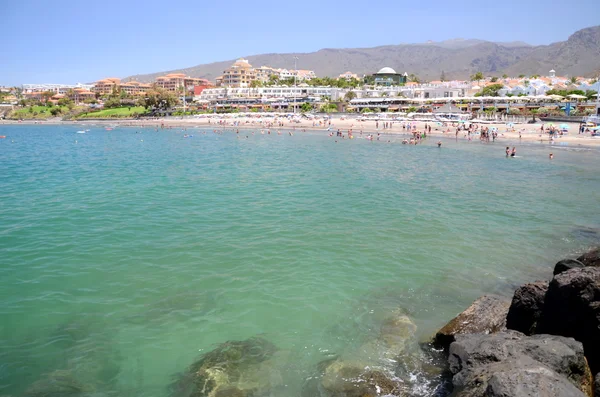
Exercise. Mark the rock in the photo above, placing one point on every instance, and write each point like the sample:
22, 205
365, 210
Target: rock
566, 264
486, 315
591, 258
353, 379
597, 385
234, 368
60, 383
572, 309
526, 307
512, 364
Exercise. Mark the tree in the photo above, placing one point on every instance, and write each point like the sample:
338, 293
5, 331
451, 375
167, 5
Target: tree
521, 76
350, 95
490, 90
306, 107
159, 99
504, 76
412, 109
534, 112
477, 76
443, 77
256, 84
535, 76
494, 79
574, 80
55, 111
46, 95
413, 78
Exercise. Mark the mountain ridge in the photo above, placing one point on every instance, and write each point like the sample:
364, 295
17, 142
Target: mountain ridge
579, 55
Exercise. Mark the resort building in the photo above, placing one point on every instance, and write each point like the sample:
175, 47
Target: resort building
240, 74
283, 93
348, 76
264, 73
57, 88
302, 75
174, 82
107, 86
387, 77
135, 87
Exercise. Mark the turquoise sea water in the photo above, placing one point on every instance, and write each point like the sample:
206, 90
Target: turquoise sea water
124, 256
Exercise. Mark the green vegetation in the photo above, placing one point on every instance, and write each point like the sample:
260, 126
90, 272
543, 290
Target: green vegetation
306, 107
329, 108
350, 95
490, 90
477, 76
127, 112
38, 112
589, 93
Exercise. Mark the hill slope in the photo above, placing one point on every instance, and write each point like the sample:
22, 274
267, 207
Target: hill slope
579, 55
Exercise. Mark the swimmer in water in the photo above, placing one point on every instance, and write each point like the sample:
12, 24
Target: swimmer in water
514, 152
551, 156
439, 143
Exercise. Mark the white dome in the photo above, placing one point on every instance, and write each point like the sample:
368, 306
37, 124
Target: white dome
386, 70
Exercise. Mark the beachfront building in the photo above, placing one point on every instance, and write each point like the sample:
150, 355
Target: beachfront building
348, 76
264, 73
135, 87
240, 74
386, 77
79, 95
303, 75
56, 88
175, 81
107, 86
301, 93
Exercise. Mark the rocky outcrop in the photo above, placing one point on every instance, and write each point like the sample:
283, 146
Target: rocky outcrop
597, 385
512, 364
354, 379
566, 264
526, 307
234, 368
572, 309
591, 258
486, 315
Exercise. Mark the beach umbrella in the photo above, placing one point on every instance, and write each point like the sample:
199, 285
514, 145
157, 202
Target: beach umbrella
577, 96
564, 127
556, 97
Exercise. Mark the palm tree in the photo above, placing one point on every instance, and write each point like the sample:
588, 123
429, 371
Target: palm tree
413, 78
574, 80
350, 95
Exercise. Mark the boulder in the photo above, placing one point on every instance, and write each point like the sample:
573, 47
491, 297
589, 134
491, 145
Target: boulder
572, 309
597, 385
234, 368
591, 258
526, 307
512, 364
486, 315
566, 264
352, 379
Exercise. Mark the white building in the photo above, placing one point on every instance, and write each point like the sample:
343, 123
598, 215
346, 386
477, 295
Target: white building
57, 88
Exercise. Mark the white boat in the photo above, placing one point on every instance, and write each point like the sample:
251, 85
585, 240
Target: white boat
81, 132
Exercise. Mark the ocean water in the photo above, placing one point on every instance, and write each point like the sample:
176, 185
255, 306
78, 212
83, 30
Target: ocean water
124, 255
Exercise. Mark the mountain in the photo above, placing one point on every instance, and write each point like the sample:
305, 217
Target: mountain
579, 55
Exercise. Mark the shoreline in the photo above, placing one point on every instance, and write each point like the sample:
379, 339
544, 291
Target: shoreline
529, 133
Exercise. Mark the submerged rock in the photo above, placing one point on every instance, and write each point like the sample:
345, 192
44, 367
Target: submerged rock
526, 307
572, 309
59, 383
512, 364
486, 315
591, 258
234, 368
566, 264
352, 379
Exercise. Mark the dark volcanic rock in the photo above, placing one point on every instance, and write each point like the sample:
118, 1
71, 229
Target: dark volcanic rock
597, 385
591, 258
566, 264
486, 315
526, 307
572, 309
512, 364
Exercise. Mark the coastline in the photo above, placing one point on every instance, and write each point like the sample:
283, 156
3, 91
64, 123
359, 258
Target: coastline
530, 133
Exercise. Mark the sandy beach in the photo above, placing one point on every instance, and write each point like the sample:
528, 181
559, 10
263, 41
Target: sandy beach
528, 133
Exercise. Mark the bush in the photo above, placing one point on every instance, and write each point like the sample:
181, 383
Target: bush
55, 111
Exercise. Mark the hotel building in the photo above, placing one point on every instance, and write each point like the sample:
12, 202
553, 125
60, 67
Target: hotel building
174, 82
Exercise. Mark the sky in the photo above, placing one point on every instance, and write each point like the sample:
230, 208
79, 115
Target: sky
63, 41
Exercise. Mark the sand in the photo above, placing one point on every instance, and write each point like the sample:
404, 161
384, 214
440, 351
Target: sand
518, 133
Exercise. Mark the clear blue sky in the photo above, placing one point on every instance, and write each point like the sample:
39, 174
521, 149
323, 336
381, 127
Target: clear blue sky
61, 41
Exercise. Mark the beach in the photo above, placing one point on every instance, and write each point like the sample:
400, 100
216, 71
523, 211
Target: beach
526, 133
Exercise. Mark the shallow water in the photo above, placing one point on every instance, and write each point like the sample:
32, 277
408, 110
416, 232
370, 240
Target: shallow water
127, 255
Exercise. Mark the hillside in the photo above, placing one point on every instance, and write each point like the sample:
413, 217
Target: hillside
458, 58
